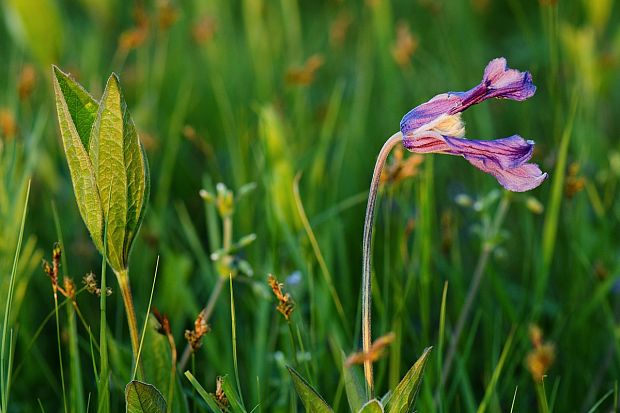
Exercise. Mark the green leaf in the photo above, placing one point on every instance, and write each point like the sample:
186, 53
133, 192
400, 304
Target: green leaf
207, 397
157, 362
232, 396
82, 106
403, 398
76, 111
353, 385
373, 406
144, 398
311, 400
121, 172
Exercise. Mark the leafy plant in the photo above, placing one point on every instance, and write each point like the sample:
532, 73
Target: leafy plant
109, 172
143, 398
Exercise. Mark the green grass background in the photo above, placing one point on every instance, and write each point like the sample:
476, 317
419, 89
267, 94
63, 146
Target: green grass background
558, 269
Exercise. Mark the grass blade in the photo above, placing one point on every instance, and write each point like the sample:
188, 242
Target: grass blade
5, 381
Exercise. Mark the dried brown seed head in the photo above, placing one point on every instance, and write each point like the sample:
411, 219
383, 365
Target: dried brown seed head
286, 305
194, 337
220, 396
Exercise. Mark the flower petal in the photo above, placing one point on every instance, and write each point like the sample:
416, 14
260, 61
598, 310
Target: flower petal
508, 152
427, 112
498, 82
505, 158
520, 179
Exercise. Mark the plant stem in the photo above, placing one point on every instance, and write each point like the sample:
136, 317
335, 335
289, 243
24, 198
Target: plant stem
366, 256
62, 374
227, 233
206, 312
123, 282
488, 245
5, 381
173, 370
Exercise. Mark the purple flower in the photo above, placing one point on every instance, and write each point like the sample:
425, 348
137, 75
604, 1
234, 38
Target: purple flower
436, 126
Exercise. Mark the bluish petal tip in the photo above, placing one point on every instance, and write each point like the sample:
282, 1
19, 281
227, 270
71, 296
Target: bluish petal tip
504, 83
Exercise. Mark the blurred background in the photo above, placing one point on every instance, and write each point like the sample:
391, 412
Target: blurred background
261, 91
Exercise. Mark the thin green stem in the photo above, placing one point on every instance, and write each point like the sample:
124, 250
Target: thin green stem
5, 382
206, 315
488, 245
233, 320
366, 259
541, 395
123, 282
194, 388
290, 329
76, 391
146, 321
173, 370
319, 256
227, 233
207, 311
103, 387
62, 374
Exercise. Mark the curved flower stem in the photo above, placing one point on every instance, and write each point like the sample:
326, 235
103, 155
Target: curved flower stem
366, 259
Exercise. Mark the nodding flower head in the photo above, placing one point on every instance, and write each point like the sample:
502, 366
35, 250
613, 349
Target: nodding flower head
436, 127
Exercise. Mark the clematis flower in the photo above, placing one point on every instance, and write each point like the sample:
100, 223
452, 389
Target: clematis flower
436, 127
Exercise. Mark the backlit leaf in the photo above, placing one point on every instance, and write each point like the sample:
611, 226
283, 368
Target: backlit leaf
143, 398
373, 406
76, 110
403, 398
311, 400
120, 171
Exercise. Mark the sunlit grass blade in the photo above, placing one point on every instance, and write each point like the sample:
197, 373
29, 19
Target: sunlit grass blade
319, 256
146, 321
233, 321
76, 390
496, 374
208, 398
60, 363
552, 215
5, 377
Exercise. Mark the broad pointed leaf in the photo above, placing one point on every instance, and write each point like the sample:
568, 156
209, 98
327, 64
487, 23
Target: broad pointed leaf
120, 172
311, 400
76, 110
82, 106
143, 398
373, 406
403, 398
